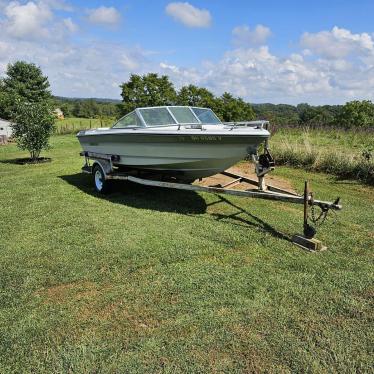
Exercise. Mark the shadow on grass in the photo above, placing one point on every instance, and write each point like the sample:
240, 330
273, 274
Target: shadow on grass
167, 200
12, 161
26, 161
143, 197
257, 222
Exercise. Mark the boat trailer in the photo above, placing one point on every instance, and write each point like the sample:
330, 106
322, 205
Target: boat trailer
103, 172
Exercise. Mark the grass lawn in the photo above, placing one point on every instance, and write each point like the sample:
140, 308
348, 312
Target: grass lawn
154, 280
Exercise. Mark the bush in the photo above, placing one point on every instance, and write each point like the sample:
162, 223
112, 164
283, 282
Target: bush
33, 124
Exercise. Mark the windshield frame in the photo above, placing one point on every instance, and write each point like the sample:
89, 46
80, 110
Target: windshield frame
138, 110
144, 124
129, 127
205, 123
190, 109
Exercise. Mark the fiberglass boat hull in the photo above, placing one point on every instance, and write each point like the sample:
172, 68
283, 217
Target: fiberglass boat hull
185, 156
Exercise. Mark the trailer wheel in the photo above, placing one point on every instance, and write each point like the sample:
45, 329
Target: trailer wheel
101, 185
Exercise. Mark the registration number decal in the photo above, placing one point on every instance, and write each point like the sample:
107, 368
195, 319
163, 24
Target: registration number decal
211, 138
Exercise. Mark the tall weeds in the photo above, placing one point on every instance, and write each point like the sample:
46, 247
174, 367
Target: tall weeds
345, 165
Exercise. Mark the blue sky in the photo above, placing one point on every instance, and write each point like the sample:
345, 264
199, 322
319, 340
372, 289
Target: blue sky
264, 51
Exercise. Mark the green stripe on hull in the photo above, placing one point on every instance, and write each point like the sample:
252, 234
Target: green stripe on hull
170, 138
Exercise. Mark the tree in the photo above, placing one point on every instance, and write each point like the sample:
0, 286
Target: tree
32, 125
147, 90
277, 114
26, 101
356, 114
23, 82
3, 101
88, 109
231, 109
195, 96
66, 109
313, 116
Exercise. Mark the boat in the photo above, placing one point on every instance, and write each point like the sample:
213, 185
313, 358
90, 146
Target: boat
182, 142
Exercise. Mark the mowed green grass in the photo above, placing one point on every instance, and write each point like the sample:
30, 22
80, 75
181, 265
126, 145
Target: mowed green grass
151, 280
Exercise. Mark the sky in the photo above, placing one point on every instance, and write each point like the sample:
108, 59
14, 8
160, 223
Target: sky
319, 52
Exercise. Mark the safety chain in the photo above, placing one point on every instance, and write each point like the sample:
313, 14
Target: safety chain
318, 221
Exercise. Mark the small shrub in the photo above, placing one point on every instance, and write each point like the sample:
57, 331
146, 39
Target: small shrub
33, 124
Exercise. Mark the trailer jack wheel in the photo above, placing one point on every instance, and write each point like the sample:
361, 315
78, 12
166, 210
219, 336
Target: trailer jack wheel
101, 184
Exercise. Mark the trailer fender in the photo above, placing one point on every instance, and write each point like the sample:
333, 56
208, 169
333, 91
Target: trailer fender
106, 166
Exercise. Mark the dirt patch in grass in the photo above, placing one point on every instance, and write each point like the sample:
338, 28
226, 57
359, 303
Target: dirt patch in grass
84, 300
219, 360
368, 294
92, 314
67, 292
138, 318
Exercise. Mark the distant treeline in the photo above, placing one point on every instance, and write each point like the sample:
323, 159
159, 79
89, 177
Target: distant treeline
87, 108
154, 90
301, 114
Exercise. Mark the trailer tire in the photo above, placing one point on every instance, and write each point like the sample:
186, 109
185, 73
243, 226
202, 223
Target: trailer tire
101, 184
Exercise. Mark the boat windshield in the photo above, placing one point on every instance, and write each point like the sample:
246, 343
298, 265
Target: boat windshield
183, 114
206, 116
129, 120
157, 116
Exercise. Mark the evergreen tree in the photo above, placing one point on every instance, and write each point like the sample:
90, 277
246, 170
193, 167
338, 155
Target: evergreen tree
24, 82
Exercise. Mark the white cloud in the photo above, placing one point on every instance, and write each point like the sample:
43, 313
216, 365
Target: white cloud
4, 49
134, 59
88, 68
257, 75
337, 43
104, 16
244, 36
70, 25
28, 20
129, 62
94, 69
189, 15
179, 75
84, 68
169, 67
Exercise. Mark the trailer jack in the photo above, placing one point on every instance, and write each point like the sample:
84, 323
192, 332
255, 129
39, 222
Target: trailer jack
307, 240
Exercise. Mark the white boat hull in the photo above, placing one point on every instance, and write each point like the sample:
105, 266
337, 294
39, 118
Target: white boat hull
185, 155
